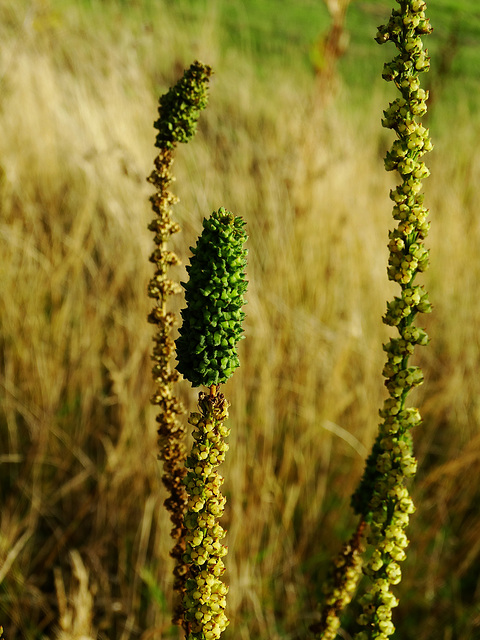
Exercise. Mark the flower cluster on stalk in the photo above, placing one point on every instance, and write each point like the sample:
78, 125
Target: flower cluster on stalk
205, 597
212, 320
382, 497
178, 113
206, 353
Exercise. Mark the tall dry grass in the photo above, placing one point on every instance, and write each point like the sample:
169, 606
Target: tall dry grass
84, 538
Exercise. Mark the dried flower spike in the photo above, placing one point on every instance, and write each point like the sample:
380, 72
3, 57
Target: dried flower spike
382, 498
179, 110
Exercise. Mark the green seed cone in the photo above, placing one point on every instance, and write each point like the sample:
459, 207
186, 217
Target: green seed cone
212, 321
180, 107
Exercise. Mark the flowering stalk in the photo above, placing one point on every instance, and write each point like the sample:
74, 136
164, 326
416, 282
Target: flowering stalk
205, 598
179, 111
382, 498
206, 352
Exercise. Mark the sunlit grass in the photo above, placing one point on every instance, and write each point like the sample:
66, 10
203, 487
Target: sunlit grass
78, 442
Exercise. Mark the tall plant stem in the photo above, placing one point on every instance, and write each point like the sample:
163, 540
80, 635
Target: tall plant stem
382, 498
178, 114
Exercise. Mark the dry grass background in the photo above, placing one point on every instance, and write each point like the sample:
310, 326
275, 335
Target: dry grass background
84, 538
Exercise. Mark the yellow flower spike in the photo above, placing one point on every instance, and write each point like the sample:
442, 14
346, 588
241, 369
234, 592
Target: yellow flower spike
204, 602
382, 498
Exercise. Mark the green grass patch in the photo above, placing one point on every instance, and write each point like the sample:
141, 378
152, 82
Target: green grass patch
273, 36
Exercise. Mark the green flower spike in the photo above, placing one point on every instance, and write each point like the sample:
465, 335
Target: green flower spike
180, 107
179, 111
382, 498
212, 321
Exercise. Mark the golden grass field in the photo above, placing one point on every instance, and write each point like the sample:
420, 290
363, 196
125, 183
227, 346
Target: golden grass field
84, 538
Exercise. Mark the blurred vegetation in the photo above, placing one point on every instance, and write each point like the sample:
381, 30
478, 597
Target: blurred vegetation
84, 537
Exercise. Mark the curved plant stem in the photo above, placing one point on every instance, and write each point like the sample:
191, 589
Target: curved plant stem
179, 110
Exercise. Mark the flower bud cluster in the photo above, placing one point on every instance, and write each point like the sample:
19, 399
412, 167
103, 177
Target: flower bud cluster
179, 109
406, 25
205, 597
392, 507
212, 320
341, 586
382, 497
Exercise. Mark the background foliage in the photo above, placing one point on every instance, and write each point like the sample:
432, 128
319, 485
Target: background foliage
84, 538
